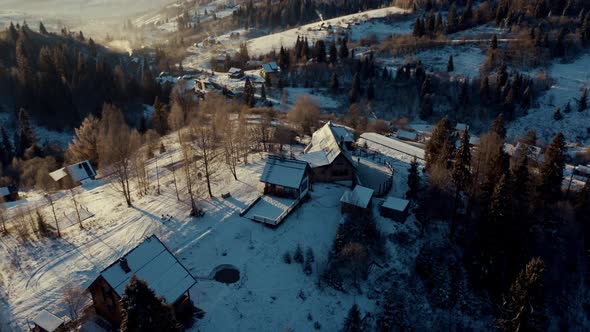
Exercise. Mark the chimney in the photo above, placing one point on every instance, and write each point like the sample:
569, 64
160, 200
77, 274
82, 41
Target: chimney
124, 265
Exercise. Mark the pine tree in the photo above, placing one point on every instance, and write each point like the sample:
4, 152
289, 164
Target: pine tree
320, 51
461, 167
438, 148
452, 23
353, 320
85, 143
450, 65
24, 136
523, 307
498, 126
438, 25
418, 28
334, 84
551, 171
6, 147
413, 181
583, 102
343, 51
249, 98
142, 311
42, 29
557, 114
333, 53
159, 120
494, 42
355, 90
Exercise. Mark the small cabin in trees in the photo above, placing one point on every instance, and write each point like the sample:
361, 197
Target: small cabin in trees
77, 174
395, 209
151, 262
45, 321
270, 72
328, 154
235, 73
358, 199
286, 178
9, 194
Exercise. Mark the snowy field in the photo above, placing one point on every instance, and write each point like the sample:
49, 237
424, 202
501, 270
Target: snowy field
569, 79
266, 44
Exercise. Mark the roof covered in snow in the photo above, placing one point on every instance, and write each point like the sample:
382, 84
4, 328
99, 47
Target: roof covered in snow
79, 172
47, 321
270, 67
394, 203
360, 196
407, 135
284, 172
234, 70
152, 262
394, 144
328, 141
5, 191
462, 127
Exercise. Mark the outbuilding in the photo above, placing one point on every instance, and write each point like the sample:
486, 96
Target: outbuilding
286, 178
45, 321
358, 199
78, 173
395, 209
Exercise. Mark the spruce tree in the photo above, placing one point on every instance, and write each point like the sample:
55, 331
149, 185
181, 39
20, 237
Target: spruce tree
249, 98
557, 114
523, 307
450, 65
334, 84
567, 108
42, 29
142, 311
24, 136
462, 165
353, 320
159, 121
583, 102
355, 91
6, 146
333, 53
343, 51
498, 126
452, 23
413, 181
438, 148
551, 171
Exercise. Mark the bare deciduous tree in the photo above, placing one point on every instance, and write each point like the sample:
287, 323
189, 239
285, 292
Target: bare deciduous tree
305, 114
76, 206
207, 146
50, 200
73, 298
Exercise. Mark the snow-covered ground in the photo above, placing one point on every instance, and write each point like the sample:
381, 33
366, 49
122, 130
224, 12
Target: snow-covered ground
266, 44
568, 80
34, 274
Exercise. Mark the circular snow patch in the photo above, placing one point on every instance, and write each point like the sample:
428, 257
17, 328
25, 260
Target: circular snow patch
227, 274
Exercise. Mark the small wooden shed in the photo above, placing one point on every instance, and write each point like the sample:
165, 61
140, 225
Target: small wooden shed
395, 208
45, 321
359, 199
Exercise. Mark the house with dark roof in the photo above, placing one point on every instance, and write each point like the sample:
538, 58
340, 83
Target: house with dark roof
286, 178
270, 72
78, 173
328, 154
152, 262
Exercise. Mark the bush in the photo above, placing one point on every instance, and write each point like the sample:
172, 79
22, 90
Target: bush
298, 256
287, 257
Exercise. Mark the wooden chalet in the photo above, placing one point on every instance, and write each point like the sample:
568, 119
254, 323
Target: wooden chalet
270, 71
286, 178
76, 174
328, 154
151, 262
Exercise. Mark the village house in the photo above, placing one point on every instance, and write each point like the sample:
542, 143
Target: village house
235, 73
358, 199
9, 194
45, 321
75, 174
328, 154
151, 262
395, 208
270, 72
287, 178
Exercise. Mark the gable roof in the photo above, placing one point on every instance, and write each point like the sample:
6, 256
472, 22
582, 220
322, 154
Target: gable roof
270, 67
152, 262
360, 196
284, 172
328, 140
47, 321
234, 70
78, 172
394, 203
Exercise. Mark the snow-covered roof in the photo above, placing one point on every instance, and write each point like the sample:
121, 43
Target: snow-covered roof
47, 321
583, 169
4, 191
284, 172
461, 127
327, 140
152, 262
79, 172
394, 144
394, 203
270, 67
407, 135
314, 159
360, 196
234, 70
